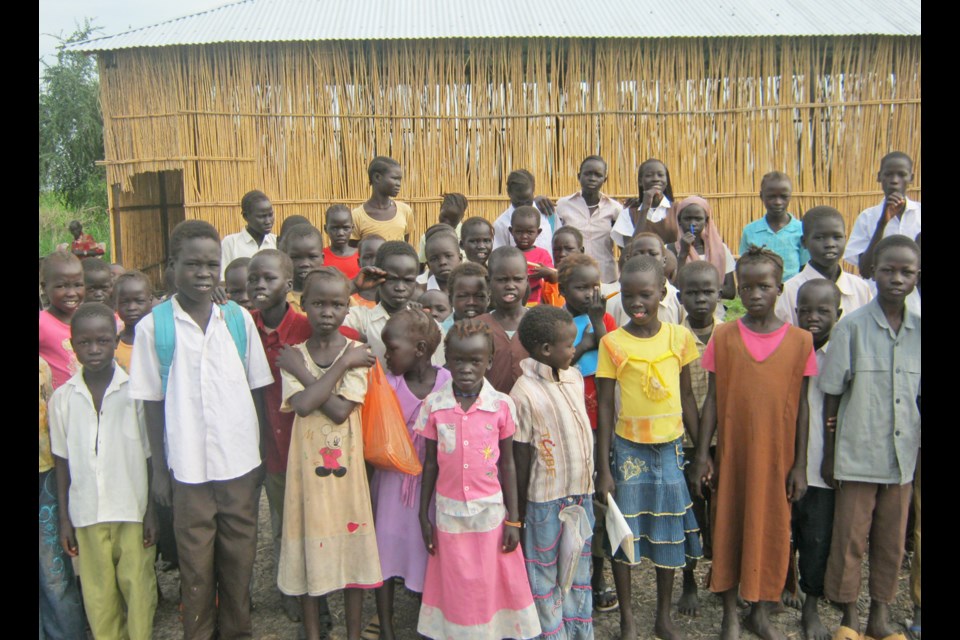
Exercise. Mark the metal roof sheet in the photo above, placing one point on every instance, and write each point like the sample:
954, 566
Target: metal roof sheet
309, 20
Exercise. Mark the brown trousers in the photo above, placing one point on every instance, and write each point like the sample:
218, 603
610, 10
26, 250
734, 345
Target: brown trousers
863, 511
216, 528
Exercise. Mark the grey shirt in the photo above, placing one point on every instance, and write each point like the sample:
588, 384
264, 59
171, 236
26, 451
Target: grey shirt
877, 373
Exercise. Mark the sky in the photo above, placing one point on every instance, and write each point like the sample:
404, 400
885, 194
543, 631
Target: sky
60, 17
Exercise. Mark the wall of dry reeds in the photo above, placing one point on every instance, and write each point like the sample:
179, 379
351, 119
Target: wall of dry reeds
302, 120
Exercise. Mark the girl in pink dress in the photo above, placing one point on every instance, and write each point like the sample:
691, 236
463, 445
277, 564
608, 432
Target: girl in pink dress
410, 338
476, 584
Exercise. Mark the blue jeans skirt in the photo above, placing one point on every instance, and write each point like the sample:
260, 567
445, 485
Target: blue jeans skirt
652, 494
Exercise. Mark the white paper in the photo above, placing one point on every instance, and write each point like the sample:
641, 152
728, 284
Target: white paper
619, 532
575, 533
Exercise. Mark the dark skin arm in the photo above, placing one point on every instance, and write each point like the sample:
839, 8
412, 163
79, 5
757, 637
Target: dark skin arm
161, 488
702, 470
591, 339
893, 205
797, 478
508, 484
605, 401
68, 538
688, 403
150, 529
831, 407
427, 486
318, 393
524, 455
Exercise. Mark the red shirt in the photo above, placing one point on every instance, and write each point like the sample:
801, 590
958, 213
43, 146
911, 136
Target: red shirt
348, 266
86, 243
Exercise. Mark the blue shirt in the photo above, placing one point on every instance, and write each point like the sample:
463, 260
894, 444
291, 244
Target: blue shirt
785, 243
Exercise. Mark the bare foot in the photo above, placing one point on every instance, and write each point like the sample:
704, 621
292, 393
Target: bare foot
665, 630
627, 631
791, 600
813, 628
878, 624
689, 604
759, 623
730, 627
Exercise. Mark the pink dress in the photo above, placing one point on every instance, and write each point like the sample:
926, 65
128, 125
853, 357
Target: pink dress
472, 591
396, 500
56, 349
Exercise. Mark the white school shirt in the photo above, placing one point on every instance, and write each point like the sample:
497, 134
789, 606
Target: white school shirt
670, 308
623, 228
815, 435
854, 293
502, 237
212, 430
596, 229
908, 224
242, 245
107, 453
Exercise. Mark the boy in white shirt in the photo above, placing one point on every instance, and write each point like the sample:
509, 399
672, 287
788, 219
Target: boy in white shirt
99, 442
210, 468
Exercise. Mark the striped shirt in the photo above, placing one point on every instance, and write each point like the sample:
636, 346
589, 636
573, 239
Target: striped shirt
552, 418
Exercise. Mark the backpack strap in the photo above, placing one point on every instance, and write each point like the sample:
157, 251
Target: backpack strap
164, 339
233, 316
165, 336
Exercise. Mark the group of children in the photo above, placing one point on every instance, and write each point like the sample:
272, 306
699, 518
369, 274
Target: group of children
546, 388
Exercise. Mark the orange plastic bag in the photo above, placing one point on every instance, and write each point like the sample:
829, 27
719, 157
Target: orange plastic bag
386, 442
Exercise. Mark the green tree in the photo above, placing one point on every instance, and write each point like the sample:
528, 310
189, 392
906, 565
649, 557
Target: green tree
71, 127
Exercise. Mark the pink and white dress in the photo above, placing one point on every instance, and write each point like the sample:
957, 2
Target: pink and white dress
473, 590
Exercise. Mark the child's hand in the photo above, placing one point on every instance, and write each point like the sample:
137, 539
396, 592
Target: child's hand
545, 205
826, 469
68, 538
426, 529
511, 538
219, 295
290, 359
588, 342
369, 278
652, 197
597, 308
161, 489
358, 355
701, 473
150, 529
604, 485
687, 240
796, 483
893, 206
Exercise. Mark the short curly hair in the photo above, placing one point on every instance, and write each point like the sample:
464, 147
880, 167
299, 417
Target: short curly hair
325, 273
760, 255
467, 328
571, 263
644, 264
420, 326
540, 325
466, 270
92, 310
190, 230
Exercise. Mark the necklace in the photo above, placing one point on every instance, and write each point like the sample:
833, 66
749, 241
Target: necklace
459, 394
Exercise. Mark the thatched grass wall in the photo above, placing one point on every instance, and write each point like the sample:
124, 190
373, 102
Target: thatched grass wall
301, 120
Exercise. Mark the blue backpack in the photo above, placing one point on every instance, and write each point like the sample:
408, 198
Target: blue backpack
165, 336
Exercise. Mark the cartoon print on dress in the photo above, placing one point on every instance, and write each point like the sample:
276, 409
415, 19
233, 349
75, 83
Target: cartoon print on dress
331, 453
447, 437
633, 467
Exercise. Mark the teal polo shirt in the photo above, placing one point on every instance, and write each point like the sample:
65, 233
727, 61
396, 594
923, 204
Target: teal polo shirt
785, 243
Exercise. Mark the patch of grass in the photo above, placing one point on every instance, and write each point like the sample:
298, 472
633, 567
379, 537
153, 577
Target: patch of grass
735, 309
55, 216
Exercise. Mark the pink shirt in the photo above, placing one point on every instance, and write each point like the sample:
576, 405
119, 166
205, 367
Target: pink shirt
56, 349
760, 346
468, 443
538, 255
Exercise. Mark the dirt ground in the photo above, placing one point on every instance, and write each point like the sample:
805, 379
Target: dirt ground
270, 623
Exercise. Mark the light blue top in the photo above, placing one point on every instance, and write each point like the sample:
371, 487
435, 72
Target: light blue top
785, 243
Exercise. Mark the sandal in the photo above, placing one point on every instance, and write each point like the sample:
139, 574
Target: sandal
605, 600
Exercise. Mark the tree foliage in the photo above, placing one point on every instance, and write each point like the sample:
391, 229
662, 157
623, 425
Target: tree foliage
71, 127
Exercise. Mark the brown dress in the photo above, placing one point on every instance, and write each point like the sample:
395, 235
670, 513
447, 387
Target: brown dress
507, 355
757, 405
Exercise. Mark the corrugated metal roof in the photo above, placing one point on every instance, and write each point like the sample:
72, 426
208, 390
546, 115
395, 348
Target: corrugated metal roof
308, 20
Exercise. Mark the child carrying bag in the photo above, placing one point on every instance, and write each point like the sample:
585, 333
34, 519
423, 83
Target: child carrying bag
386, 442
